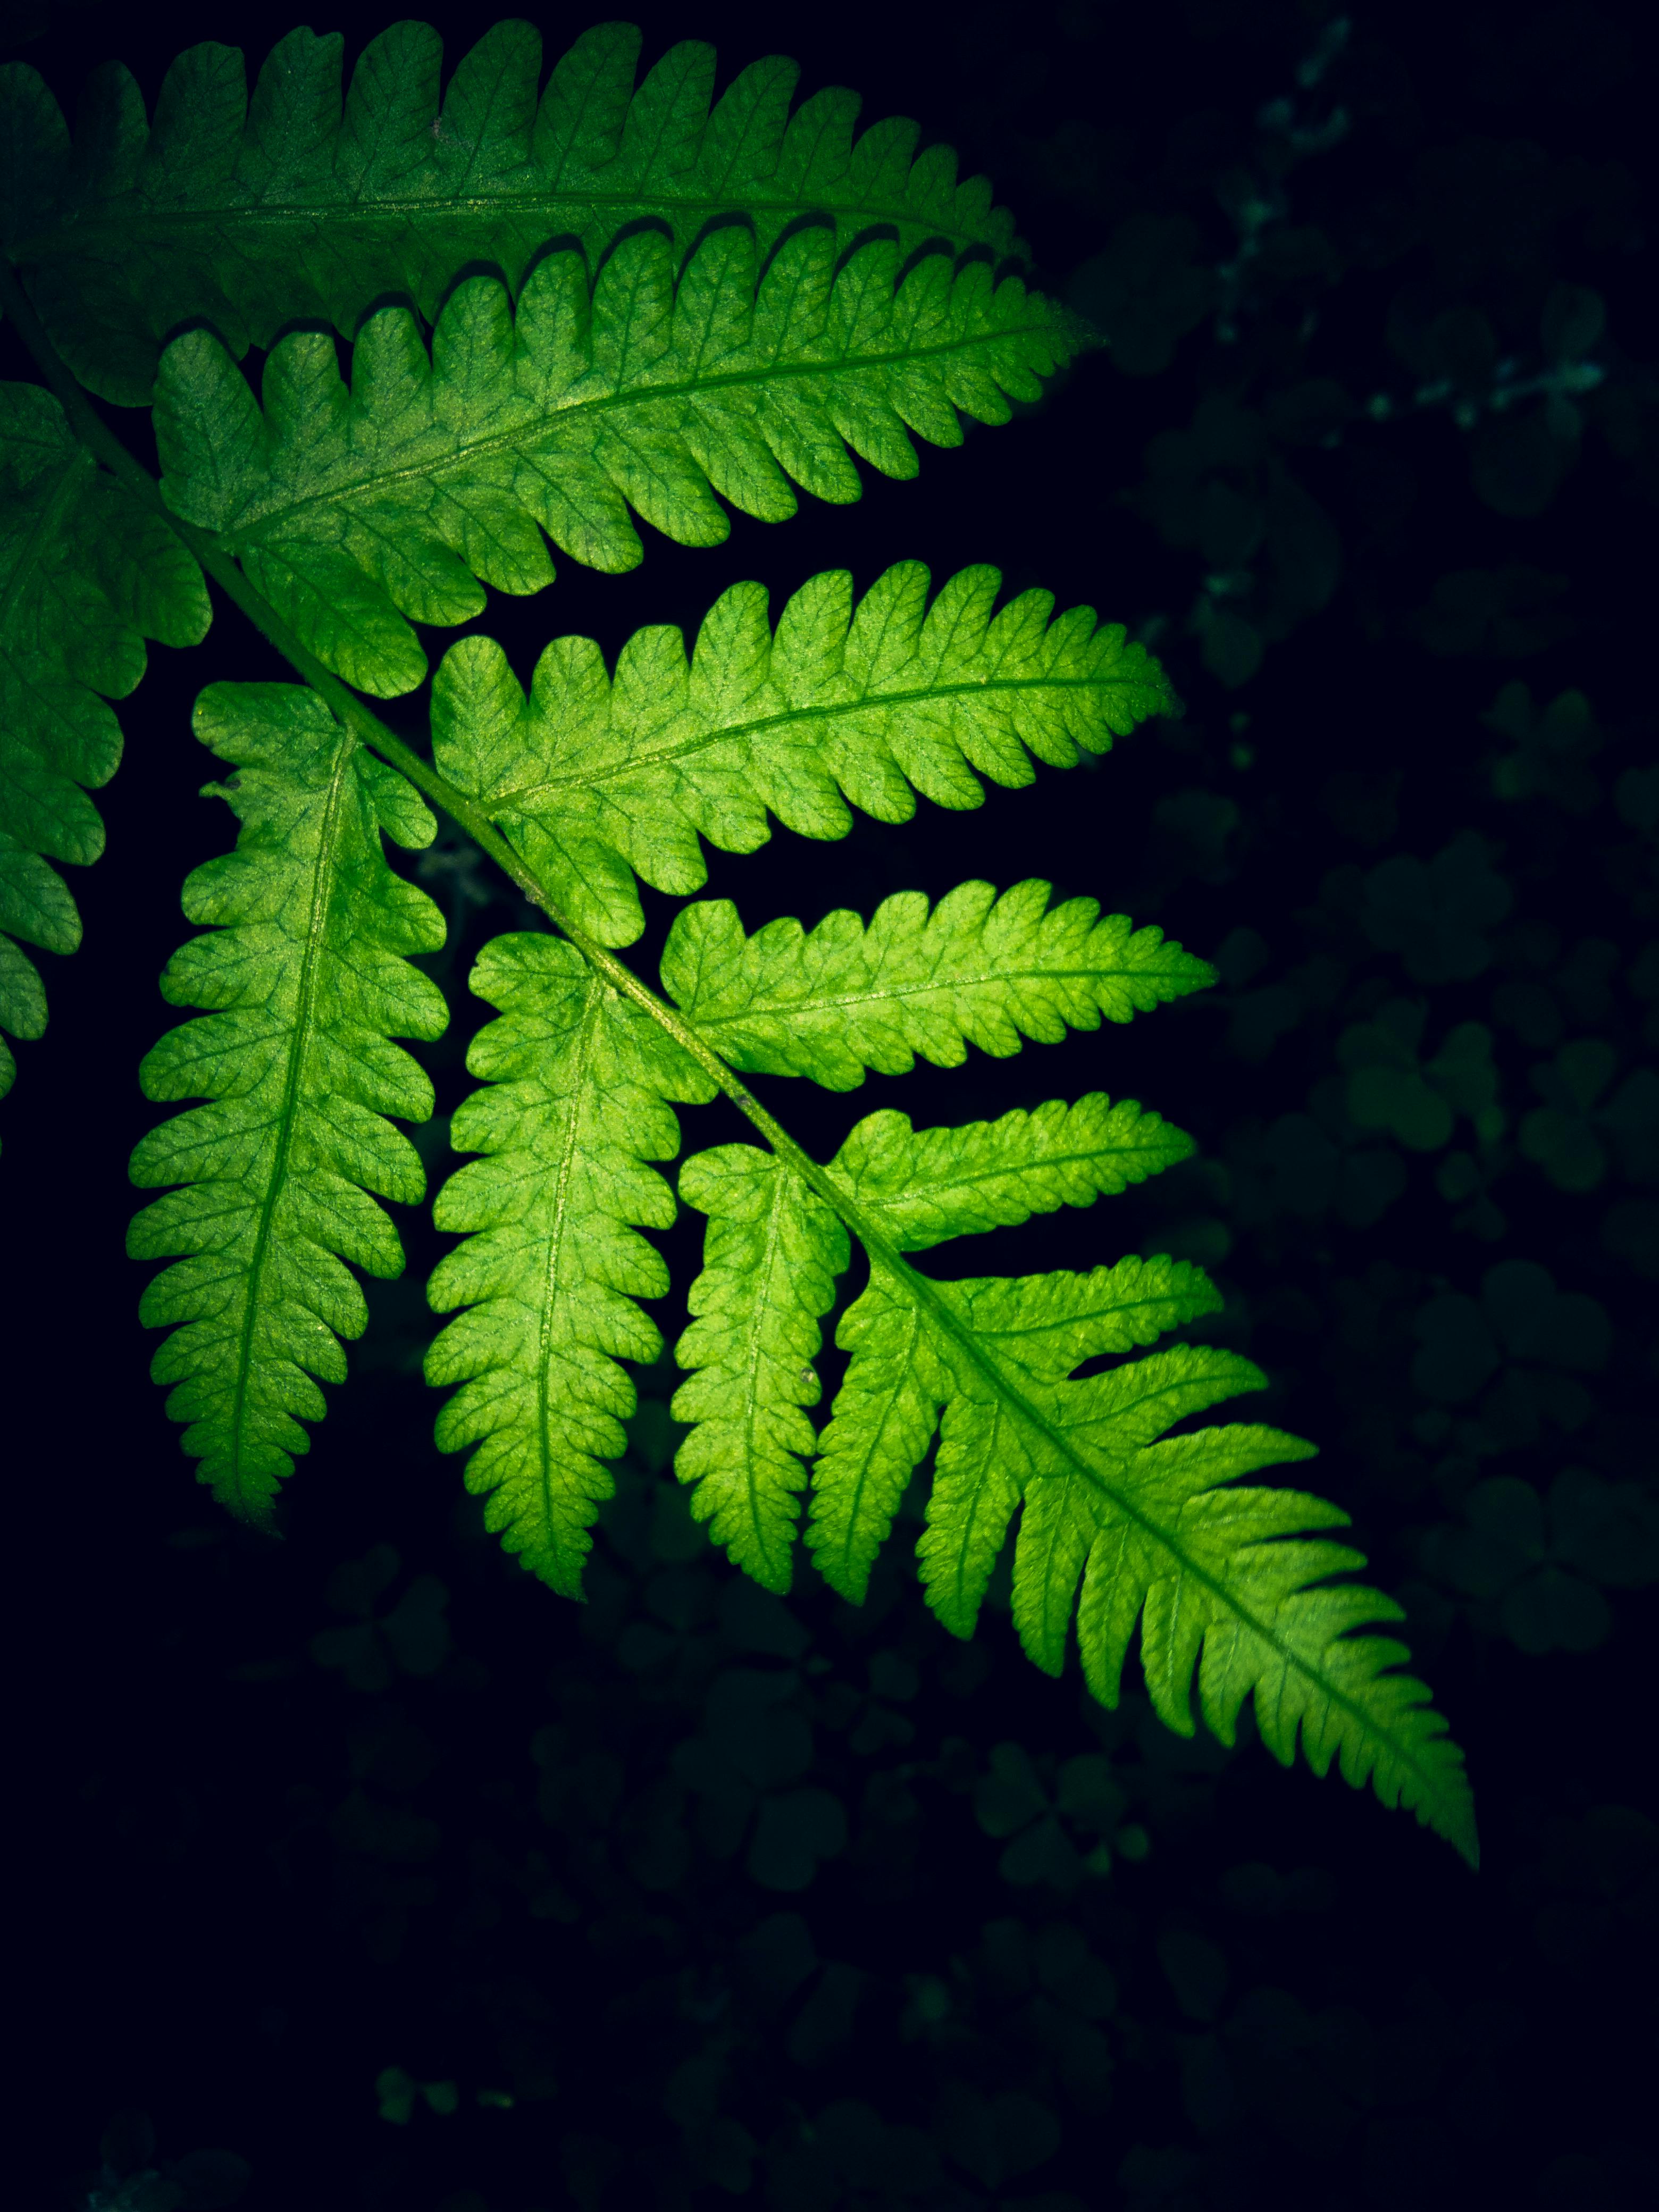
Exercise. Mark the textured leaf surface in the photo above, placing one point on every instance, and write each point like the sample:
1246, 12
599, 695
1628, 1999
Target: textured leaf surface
248, 215
308, 978
883, 1422
921, 1186
771, 1256
596, 777
653, 387
575, 1102
1037, 1328
86, 574
1121, 1524
979, 970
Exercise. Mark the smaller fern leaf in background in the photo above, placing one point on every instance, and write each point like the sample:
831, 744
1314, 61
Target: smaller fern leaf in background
249, 216
87, 573
862, 704
576, 1094
771, 1257
978, 969
308, 976
650, 386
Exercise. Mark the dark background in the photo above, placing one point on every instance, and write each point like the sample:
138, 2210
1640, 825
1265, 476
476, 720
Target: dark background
364, 1858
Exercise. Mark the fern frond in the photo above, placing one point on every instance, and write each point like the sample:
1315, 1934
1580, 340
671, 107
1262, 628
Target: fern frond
308, 977
690, 312
595, 777
772, 1252
1233, 1582
248, 216
1226, 1581
576, 1095
979, 970
653, 387
87, 573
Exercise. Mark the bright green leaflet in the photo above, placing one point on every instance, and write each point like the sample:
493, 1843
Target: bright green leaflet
308, 975
87, 573
576, 1100
595, 777
301, 207
771, 1256
978, 969
651, 387
921, 1186
729, 350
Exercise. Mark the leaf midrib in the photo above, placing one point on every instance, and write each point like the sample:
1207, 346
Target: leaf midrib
580, 1060
774, 1240
915, 1192
830, 1001
1151, 1301
523, 795
925, 1293
404, 209
322, 889
847, 1550
427, 472
966, 1526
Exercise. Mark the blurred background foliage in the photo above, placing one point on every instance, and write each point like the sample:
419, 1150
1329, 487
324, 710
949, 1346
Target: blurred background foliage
429, 1893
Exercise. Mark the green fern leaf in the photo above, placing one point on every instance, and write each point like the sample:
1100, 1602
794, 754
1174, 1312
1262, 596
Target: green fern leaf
357, 511
903, 1370
919, 1186
979, 970
1038, 1329
594, 777
693, 311
576, 1094
1222, 1580
87, 573
307, 974
883, 1422
249, 216
773, 1253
